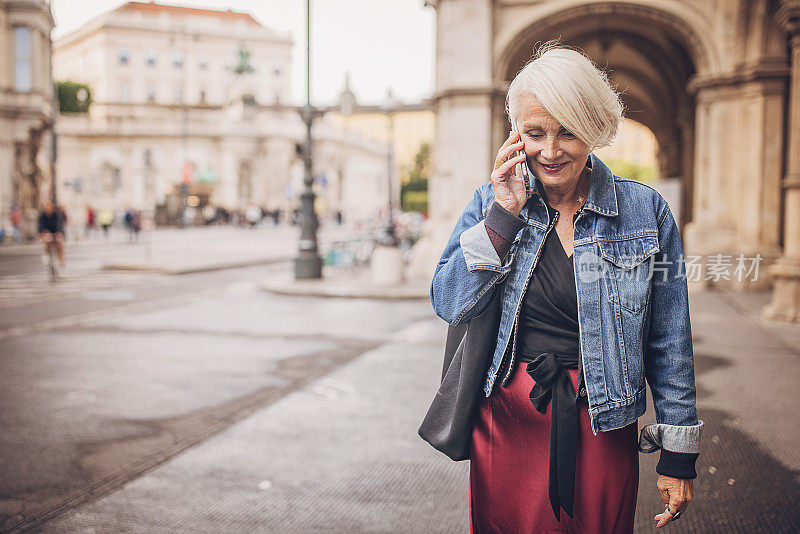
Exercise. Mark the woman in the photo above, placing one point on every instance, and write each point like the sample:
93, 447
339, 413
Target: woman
594, 306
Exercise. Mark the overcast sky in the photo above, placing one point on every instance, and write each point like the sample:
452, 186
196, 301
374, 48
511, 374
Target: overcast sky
383, 43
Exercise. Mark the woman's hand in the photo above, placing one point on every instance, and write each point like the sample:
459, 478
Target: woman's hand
509, 189
676, 494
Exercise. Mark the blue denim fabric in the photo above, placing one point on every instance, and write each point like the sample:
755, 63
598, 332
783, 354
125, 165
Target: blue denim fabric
633, 307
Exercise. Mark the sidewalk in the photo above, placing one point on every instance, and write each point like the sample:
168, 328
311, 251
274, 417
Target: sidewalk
116, 235
182, 251
346, 284
193, 250
343, 455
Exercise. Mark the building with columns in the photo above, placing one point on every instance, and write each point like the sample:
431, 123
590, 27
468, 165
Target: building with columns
402, 126
26, 95
716, 82
194, 103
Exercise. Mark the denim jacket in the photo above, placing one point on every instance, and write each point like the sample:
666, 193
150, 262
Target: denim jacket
633, 306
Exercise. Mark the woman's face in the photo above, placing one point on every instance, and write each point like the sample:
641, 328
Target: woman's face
555, 155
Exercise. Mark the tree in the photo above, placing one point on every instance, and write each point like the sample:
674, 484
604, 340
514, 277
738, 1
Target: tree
73, 97
414, 188
631, 170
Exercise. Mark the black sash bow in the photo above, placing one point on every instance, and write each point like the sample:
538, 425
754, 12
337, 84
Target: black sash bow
549, 371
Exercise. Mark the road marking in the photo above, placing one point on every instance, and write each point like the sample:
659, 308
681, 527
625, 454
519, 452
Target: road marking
70, 320
31, 288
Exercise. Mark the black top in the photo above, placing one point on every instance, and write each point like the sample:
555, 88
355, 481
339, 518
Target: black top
549, 341
52, 222
548, 319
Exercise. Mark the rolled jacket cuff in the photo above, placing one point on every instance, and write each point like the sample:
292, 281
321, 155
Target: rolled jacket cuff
480, 250
480, 253
501, 244
503, 221
677, 464
683, 439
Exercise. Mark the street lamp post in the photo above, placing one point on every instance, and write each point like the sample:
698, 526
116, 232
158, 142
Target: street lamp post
390, 159
55, 108
186, 171
308, 264
387, 261
389, 109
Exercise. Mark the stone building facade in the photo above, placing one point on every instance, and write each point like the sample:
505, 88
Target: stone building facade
716, 83
26, 95
401, 126
197, 97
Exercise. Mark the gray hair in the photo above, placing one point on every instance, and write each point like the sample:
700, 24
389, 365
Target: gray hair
573, 90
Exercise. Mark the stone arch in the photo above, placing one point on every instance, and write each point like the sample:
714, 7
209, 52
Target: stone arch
646, 19
651, 56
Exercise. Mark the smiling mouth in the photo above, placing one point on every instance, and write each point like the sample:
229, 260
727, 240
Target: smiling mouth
553, 168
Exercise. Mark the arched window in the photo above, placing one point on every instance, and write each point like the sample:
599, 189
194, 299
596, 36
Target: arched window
22, 59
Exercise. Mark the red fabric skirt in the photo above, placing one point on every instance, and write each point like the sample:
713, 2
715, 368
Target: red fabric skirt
510, 455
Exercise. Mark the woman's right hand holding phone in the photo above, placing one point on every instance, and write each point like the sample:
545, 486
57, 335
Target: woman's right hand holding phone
509, 187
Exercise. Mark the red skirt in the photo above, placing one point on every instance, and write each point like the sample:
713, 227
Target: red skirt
510, 455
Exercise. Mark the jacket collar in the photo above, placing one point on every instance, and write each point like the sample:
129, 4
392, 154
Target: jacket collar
602, 193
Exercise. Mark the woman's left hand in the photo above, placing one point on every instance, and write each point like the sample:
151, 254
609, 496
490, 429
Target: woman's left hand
676, 494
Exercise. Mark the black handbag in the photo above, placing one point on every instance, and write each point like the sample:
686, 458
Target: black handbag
448, 424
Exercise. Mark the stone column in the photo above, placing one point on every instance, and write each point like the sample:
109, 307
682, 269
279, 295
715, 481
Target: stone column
463, 149
226, 192
712, 229
785, 305
463, 103
737, 174
686, 124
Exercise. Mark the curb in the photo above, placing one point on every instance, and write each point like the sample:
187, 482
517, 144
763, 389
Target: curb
141, 267
331, 289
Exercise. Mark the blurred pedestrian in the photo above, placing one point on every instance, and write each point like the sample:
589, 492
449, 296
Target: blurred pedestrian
16, 223
91, 222
209, 214
126, 223
64, 220
253, 215
51, 230
222, 215
567, 419
135, 225
105, 219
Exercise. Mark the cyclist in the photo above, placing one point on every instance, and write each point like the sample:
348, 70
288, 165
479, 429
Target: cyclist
51, 230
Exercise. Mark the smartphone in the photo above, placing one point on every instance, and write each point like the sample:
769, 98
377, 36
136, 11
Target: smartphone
522, 167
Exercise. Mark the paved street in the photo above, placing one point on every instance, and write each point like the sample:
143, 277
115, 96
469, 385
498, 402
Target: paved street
141, 271
136, 401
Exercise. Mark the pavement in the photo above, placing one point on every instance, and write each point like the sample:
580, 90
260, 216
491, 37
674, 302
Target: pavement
104, 273
340, 455
175, 251
235, 409
164, 251
340, 283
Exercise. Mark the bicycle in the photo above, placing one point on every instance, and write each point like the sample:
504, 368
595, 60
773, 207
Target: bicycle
50, 259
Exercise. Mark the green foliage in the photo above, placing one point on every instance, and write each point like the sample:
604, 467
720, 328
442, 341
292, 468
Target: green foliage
415, 201
414, 188
632, 171
420, 170
68, 100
